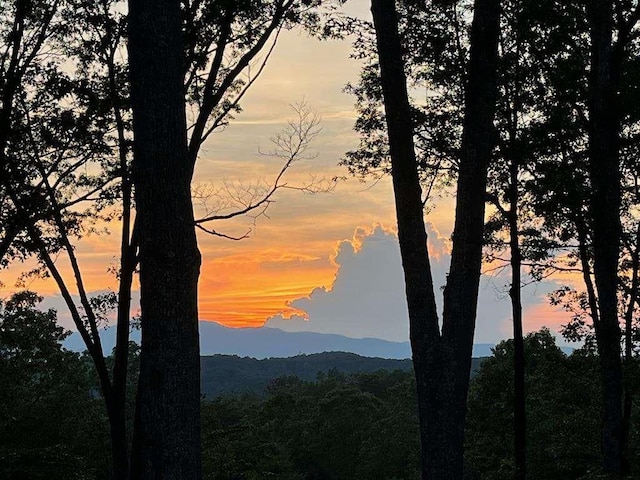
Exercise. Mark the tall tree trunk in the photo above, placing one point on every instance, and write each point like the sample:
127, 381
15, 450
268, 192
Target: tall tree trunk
118, 414
519, 406
442, 361
166, 441
604, 170
128, 263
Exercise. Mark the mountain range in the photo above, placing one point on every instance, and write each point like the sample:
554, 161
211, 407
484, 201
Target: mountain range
265, 342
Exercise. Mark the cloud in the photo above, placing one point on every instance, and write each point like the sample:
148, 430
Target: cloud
367, 296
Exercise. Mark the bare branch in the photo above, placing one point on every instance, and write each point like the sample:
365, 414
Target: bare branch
212, 99
290, 145
222, 235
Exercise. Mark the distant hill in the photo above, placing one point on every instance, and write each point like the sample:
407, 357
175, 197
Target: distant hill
225, 374
267, 342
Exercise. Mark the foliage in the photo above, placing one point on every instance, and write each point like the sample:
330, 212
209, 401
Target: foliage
51, 424
563, 408
65, 137
436, 52
358, 427
365, 425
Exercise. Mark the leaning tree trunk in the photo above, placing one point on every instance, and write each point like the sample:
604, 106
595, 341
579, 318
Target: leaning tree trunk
604, 170
442, 361
166, 441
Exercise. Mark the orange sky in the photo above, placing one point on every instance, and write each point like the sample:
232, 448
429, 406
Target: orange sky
293, 251
245, 289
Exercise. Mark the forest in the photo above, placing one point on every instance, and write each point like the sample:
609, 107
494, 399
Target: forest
336, 425
524, 111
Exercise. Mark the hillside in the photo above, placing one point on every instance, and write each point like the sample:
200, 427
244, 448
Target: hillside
224, 374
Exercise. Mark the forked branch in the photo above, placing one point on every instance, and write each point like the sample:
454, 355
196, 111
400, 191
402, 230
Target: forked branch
234, 199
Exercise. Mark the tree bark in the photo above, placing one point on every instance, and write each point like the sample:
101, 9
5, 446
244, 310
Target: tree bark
116, 412
442, 360
604, 171
166, 441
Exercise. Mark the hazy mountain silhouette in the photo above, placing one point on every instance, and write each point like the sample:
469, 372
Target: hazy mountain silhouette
272, 342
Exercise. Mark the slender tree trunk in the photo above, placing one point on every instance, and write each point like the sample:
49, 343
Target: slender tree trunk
628, 392
604, 170
166, 442
128, 262
442, 361
519, 410
514, 108
118, 415
478, 137
114, 405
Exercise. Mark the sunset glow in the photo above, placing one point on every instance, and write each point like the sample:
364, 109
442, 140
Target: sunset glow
294, 249
244, 290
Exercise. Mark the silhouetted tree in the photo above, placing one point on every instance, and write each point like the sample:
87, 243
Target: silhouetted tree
55, 130
604, 173
442, 358
166, 440
589, 191
59, 123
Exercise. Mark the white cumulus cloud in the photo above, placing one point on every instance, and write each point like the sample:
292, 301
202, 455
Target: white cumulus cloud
367, 296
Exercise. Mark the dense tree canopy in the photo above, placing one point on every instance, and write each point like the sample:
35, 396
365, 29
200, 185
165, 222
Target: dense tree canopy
51, 423
557, 125
357, 426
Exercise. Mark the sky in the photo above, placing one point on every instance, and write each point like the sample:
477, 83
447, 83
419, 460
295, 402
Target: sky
326, 262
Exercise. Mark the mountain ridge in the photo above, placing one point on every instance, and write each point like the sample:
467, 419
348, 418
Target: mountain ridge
268, 342
230, 374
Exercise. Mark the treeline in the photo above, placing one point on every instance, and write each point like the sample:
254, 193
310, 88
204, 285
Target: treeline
226, 374
337, 426
52, 420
